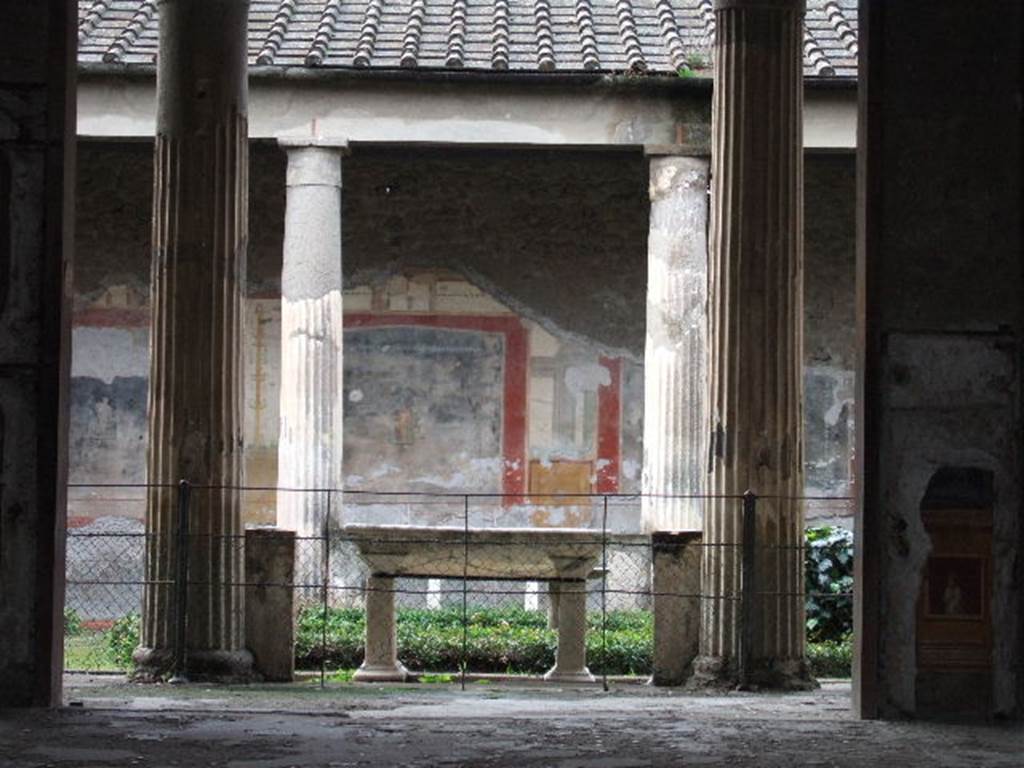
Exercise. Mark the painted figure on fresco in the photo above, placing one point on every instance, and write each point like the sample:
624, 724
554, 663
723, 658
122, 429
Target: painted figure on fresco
952, 597
955, 587
405, 426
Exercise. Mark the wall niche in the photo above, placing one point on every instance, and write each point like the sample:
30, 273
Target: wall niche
954, 605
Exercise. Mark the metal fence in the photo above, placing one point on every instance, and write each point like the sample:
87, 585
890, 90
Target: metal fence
481, 584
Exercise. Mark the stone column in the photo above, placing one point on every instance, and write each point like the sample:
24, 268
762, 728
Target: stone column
310, 438
380, 663
675, 358
677, 563
571, 655
756, 340
200, 229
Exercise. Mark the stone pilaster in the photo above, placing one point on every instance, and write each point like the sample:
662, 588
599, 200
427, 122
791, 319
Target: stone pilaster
311, 426
200, 230
675, 358
676, 565
756, 317
270, 602
37, 214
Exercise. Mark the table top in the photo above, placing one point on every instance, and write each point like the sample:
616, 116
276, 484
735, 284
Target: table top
477, 553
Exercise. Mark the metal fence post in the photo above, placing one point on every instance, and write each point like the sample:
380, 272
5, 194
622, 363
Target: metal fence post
749, 614
181, 584
325, 578
465, 587
604, 595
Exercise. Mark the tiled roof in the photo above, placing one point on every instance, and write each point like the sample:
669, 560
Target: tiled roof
557, 36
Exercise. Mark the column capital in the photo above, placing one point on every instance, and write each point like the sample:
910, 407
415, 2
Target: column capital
675, 539
313, 163
300, 142
676, 150
761, 5
669, 173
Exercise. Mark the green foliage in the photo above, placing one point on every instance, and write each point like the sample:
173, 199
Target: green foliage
123, 639
696, 61
435, 678
685, 71
828, 576
88, 651
72, 622
508, 640
831, 658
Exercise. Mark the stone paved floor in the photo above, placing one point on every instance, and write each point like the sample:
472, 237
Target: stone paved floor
496, 724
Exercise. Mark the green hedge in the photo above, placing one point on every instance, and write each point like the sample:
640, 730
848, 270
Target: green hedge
831, 658
509, 640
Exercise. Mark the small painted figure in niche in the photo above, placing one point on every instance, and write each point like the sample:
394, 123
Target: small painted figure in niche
955, 587
952, 597
405, 426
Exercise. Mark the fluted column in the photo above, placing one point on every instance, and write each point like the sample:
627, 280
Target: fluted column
675, 358
756, 311
200, 230
310, 438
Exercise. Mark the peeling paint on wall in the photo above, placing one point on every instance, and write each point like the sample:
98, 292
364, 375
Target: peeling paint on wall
952, 403
524, 226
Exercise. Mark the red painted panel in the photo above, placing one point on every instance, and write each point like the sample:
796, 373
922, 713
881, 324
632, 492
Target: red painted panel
609, 420
517, 359
112, 317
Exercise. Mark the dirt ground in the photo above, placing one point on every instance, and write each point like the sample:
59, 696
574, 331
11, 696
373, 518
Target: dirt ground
110, 723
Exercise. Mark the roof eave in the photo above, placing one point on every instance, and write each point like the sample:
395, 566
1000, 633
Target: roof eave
603, 79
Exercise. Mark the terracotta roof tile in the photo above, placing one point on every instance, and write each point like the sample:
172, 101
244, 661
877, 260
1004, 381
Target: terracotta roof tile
558, 36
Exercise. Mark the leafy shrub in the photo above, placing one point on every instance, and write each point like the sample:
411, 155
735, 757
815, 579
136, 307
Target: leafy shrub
831, 658
123, 639
507, 640
696, 61
511, 640
72, 622
828, 575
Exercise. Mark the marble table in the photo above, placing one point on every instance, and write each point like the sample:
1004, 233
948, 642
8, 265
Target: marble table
564, 557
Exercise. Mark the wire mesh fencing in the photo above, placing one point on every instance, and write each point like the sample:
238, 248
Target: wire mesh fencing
447, 587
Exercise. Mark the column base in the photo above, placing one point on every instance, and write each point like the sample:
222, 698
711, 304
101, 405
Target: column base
382, 673
723, 673
151, 665
555, 675
216, 666
221, 666
662, 679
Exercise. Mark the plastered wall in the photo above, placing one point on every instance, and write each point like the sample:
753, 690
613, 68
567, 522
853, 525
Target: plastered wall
555, 239
942, 279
